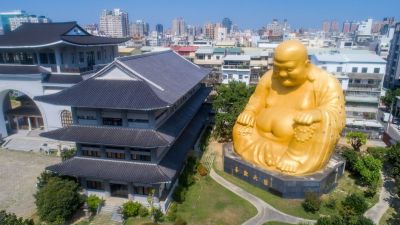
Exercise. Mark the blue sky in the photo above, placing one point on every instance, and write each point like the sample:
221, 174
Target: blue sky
246, 13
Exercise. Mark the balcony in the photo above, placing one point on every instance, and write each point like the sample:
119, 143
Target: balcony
235, 67
67, 69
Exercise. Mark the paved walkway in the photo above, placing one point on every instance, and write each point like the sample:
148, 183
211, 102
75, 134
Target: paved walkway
265, 212
376, 212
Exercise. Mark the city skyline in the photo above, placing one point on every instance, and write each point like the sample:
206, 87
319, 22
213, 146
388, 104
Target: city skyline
251, 16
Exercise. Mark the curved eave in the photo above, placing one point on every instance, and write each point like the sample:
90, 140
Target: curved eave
58, 43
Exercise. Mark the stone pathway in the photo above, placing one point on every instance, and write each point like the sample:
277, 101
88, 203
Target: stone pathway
265, 212
376, 212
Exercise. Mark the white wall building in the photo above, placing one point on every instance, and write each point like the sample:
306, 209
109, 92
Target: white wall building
236, 68
349, 62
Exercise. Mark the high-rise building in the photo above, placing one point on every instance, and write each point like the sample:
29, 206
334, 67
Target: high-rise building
275, 30
178, 26
376, 26
392, 77
334, 26
365, 27
10, 21
326, 26
346, 27
227, 23
354, 26
209, 31
114, 23
139, 29
160, 28
17, 21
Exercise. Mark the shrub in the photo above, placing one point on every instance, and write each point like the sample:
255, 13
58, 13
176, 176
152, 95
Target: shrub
351, 158
157, 215
371, 191
312, 202
369, 169
377, 152
202, 170
331, 203
44, 178
171, 213
355, 202
330, 220
361, 220
180, 222
12, 219
179, 194
143, 211
130, 209
58, 200
67, 154
94, 202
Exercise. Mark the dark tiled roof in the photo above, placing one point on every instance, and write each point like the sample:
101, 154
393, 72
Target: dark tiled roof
110, 170
168, 70
21, 69
62, 79
134, 137
34, 34
120, 136
115, 94
134, 172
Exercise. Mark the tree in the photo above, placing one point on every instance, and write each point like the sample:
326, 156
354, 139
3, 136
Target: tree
351, 157
390, 97
12, 219
58, 200
44, 178
130, 209
356, 139
393, 159
369, 169
228, 104
355, 202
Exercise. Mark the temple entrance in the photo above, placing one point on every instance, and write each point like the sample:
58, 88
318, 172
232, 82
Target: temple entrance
119, 190
21, 113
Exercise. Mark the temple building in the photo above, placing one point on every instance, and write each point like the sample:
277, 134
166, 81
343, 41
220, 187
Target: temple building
44, 58
134, 122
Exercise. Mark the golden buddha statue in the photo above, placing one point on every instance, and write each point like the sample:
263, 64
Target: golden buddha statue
293, 120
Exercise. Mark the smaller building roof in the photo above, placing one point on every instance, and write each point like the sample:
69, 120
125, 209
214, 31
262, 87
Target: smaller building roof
205, 50
349, 58
179, 48
62, 79
237, 58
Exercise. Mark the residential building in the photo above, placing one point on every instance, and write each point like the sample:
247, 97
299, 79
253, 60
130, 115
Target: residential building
326, 26
349, 61
236, 68
133, 131
392, 77
114, 23
44, 58
209, 31
365, 27
334, 26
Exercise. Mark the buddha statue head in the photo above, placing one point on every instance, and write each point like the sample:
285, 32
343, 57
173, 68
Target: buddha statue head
291, 64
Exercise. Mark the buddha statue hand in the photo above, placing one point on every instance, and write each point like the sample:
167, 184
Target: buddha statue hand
308, 117
246, 118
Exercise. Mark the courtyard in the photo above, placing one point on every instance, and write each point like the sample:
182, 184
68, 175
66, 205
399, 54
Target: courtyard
18, 173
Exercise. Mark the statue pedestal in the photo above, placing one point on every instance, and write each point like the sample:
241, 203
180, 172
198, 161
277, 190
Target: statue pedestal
284, 185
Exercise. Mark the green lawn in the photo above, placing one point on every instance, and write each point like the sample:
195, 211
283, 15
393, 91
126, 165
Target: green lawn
293, 206
207, 202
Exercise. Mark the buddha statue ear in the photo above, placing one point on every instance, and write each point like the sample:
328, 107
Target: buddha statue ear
311, 72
